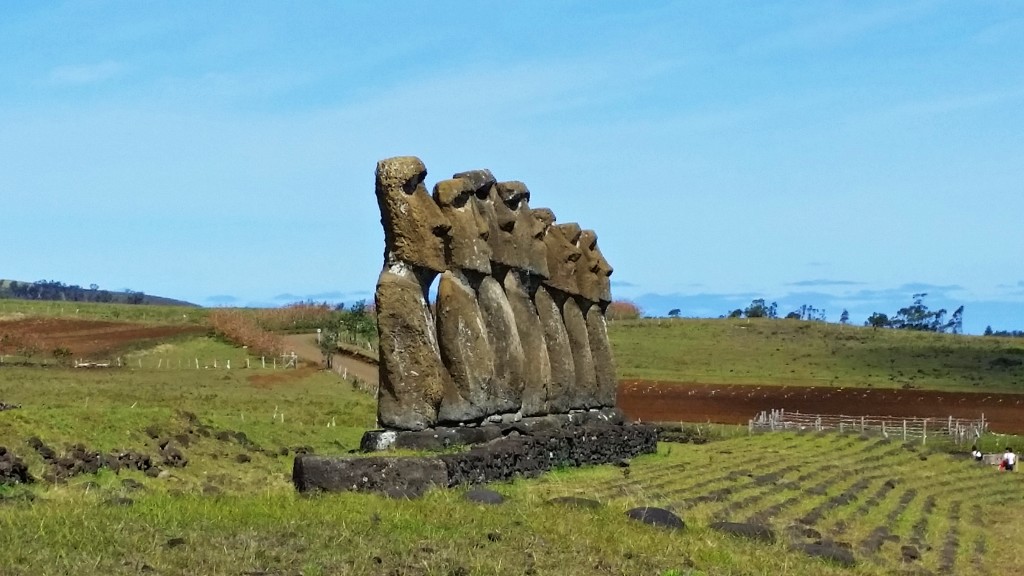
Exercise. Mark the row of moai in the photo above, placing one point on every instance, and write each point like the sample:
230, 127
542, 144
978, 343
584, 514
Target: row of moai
518, 328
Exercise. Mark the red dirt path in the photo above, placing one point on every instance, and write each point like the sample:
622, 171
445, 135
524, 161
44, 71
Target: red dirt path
87, 338
654, 401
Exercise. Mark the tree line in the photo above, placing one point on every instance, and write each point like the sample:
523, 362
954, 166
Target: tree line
54, 290
917, 316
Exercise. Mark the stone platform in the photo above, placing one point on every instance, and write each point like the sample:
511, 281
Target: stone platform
514, 454
441, 437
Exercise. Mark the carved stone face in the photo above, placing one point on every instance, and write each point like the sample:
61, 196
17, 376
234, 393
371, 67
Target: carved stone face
529, 231
415, 230
501, 221
467, 247
562, 253
592, 271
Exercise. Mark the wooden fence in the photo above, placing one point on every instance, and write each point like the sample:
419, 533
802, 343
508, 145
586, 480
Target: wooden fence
958, 430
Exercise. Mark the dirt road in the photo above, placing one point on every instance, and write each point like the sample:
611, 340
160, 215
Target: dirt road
305, 346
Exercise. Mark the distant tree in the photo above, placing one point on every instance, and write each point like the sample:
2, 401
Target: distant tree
757, 309
956, 322
674, 313
844, 318
737, 313
988, 330
94, 287
793, 315
877, 320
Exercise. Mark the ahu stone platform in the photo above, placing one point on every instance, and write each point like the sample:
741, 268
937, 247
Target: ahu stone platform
500, 459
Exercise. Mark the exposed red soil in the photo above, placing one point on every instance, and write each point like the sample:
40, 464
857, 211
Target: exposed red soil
655, 401
281, 377
90, 338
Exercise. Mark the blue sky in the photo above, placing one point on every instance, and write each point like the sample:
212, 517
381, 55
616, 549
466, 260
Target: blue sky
844, 155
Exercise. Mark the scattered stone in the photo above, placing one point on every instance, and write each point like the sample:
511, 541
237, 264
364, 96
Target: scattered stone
485, 496
910, 553
175, 542
243, 458
656, 517
574, 501
12, 469
152, 472
120, 501
130, 484
804, 532
746, 530
623, 463
172, 456
5, 406
829, 552
494, 536
164, 475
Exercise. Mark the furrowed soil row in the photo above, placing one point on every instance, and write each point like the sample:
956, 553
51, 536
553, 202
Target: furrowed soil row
668, 475
947, 557
980, 547
722, 493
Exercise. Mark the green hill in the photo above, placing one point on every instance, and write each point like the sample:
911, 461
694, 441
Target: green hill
53, 290
795, 352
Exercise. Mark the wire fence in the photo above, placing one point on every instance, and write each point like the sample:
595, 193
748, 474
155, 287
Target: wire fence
957, 430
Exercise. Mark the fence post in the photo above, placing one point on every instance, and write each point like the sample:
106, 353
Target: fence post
862, 425
924, 432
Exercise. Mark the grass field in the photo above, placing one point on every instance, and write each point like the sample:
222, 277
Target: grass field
793, 352
232, 509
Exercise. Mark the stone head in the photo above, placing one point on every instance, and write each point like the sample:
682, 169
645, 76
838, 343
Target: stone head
528, 233
562, 253
415, 229
467, 247
501, 221
592, 270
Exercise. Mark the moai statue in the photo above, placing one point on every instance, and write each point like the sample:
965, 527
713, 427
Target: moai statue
412, 377
574, 304
506, 386
562, 255
466, 348
521, 279
592, 276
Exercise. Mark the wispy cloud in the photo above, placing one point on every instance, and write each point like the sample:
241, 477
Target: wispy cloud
86, 73
824, 282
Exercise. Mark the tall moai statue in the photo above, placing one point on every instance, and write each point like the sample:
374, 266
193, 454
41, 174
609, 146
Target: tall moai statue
572, 304
518, 327
562, 255
413, 378
506, 390
463, 335
593, 278
521, 278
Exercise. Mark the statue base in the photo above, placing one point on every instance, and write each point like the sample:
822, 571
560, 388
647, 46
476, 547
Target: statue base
446, 437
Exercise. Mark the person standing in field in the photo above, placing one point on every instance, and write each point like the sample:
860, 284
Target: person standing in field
1009, 460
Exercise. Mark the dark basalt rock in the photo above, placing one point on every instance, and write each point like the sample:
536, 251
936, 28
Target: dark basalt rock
745, 530
575, 502
830, 552
656, 517
485, 496
413, 476
501, 459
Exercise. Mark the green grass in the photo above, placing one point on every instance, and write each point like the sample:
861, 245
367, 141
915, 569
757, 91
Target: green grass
14, 308
793, 352
222, 515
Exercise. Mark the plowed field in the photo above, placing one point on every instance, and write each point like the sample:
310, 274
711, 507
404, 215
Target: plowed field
90, 338
655, 401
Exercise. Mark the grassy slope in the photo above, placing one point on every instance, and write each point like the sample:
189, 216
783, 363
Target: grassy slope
811, 353
235, 517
